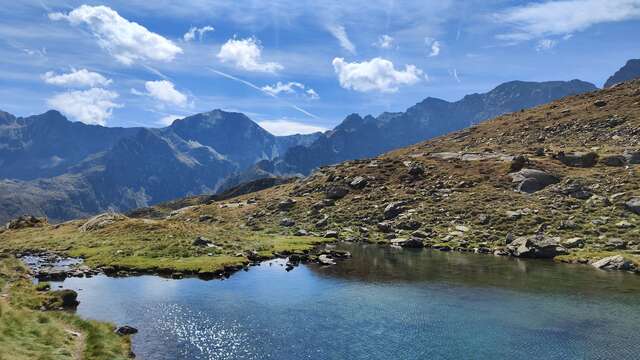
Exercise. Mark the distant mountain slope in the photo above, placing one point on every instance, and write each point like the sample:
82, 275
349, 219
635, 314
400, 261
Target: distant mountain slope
60, 169
631, 70
359, 137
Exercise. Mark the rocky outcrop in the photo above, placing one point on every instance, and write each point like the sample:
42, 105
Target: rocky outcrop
536, 246
629, 71
26, 221
100, 221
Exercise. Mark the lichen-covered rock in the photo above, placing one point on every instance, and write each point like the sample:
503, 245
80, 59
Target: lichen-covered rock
100, 221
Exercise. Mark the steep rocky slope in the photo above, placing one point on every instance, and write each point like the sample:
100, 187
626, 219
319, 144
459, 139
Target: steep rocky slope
630, 71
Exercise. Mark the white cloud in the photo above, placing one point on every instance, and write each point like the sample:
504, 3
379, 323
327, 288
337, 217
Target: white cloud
93, 106
76, 78
545, 44
289, 88
166, 92
564, 17
339, 32
434, 46
246, 54
376, 74
127, 41
191, 34
289, 127
384, 42
168, 119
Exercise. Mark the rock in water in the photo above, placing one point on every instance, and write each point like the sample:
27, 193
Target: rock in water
616, 262
325, 260
126, 330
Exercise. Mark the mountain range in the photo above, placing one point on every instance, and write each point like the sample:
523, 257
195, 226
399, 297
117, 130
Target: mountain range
53, 167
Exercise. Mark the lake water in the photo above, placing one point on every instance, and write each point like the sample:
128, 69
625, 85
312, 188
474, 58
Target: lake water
382, 304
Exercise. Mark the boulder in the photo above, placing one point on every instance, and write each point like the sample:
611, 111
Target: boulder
633, 205
409, 225
632, 156
301, 232
575, 190
100, 221
420, 234
126, 330
336, 192
322, 222
331, 234
573, 243
26, 221
67, 299
599, 103
416, 171
536, 246
532, 180
578, 159
614, 160
286, 205
202, 241
385, 227
393, 209
616, 262
615, 244
518, 163
358, 182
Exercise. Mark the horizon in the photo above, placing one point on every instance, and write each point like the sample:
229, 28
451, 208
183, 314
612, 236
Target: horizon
293, 67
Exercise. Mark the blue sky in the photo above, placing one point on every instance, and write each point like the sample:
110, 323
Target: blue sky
294, 65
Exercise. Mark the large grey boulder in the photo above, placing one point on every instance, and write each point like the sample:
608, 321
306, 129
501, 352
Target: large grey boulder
532, 180
616, 262
536, 246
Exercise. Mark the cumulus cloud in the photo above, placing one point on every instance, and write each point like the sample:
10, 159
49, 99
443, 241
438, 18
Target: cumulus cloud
92, 106
246, 54
377, 74
433, 45
545, 44
166, 92
384, 42
126, 41
289, 88
564, 17
168, 119
289, 127
193, 31
76, 78
339, 32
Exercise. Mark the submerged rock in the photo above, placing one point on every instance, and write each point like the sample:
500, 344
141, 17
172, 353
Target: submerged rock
325, 260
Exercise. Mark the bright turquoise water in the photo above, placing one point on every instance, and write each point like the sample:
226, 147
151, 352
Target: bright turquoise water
383, 304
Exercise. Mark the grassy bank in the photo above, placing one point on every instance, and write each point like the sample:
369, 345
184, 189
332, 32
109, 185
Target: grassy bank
27, 332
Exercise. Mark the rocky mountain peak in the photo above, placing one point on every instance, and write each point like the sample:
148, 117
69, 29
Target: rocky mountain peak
630, 71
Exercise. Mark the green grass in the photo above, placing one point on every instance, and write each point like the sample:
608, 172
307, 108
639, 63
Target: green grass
27, 333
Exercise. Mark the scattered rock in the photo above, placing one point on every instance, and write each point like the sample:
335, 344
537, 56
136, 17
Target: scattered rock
615, 244
26, 221
416, 171
409, 225
633, 205
385, 227
392, 210
632, 156
600, 103
67, 299
413, 242
420, 234
287, 204
616, 262
287, 222
322, 222
202, 241
624, 224
579, 159
100, 221
614, 160
358, 182
518, 163
126, 330
331, 234
301, 232
336, 192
